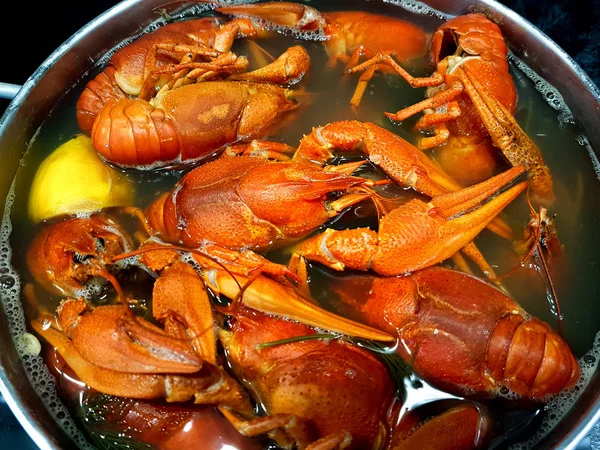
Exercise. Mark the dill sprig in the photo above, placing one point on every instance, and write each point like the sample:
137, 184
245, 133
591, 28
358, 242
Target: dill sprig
399, 369
308, 337
93, 413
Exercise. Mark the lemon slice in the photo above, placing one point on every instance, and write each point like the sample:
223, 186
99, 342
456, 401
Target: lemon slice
73, 179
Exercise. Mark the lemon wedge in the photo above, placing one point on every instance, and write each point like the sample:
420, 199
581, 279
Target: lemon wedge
73, 179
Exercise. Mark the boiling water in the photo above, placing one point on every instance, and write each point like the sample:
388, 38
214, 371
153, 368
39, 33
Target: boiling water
541, 113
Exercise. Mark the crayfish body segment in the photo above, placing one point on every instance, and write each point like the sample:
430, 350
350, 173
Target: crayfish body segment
185, 125
467, 337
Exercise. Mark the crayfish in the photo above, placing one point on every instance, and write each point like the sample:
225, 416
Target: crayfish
464, 335
348, 35
64, 256
301, 386
470, 104
157, 103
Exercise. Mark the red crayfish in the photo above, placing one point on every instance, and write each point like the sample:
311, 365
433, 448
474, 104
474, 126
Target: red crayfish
142, 110
470, 104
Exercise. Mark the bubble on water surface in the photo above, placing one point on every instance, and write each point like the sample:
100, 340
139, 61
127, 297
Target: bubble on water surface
36, 370
419, 8
557, 406
583, 141
548, 92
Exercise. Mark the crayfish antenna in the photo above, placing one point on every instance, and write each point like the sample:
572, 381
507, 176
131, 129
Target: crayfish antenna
259, 48
549, 285
102, 272
544, 235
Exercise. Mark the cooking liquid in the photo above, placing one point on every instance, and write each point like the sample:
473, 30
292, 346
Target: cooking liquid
540, 112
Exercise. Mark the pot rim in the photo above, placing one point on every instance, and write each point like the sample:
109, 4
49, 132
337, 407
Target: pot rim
27, 417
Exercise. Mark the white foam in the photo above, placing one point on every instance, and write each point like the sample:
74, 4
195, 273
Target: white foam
35, 368
558, 406
84, 214
93, 288
417, 7
583, 141
549, 93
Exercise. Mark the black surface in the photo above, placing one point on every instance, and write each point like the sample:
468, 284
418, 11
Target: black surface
44, 26
572, 24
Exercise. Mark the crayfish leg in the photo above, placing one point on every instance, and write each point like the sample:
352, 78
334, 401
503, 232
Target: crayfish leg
120, 384
285, 429
270, 297
386, 58
288, 69
454, 89
260, 149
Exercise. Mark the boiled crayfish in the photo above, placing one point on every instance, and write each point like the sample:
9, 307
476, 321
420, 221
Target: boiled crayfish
300, 385
187, 124
464, 335
348, 35
142, 111
471, 102
64, 256
247, 202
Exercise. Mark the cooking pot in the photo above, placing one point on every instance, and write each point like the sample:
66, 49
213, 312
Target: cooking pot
75, 58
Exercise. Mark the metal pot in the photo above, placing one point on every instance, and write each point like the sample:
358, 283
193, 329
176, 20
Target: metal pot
74, 59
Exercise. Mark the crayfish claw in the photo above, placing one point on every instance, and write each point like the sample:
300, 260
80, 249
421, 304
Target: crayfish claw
509, 137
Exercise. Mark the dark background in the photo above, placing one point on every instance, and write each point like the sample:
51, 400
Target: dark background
42, 27
31, 32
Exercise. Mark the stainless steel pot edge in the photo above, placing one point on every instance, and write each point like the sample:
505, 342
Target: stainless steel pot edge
586, 421
26, 419
29, 420
535, 31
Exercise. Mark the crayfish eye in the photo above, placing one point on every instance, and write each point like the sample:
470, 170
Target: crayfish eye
100, 245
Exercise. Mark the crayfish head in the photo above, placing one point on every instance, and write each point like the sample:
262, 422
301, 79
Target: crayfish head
65, 255
292, 196
472, 34
445, 44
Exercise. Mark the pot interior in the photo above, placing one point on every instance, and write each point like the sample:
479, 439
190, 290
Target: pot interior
557, 105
